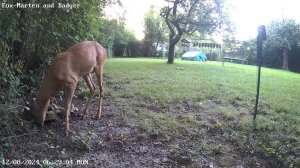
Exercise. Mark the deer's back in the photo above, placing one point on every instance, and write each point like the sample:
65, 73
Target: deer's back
77, 61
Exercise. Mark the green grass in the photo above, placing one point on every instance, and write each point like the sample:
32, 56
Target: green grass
154, 79
157, 96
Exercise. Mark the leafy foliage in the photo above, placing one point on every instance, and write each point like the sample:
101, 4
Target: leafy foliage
283, 35
117, 39
125, 42
83, 141
108, 29
155, 32
212, 55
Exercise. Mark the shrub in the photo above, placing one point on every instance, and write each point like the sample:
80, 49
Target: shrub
212, 55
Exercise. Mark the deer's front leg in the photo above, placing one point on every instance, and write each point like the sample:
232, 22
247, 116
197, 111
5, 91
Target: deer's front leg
69, 92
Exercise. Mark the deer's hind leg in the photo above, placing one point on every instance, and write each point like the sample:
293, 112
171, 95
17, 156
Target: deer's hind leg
99, 75
91, 86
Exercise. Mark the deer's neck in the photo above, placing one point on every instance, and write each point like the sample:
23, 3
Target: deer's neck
42, 101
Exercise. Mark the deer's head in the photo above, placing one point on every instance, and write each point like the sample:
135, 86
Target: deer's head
33, 111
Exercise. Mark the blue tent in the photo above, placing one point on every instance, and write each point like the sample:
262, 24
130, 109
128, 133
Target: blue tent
194, 56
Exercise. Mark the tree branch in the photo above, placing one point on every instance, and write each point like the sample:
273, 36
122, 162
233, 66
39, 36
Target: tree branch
192, 8
166, 15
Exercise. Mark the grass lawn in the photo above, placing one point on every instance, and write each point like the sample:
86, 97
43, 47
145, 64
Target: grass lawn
181, 100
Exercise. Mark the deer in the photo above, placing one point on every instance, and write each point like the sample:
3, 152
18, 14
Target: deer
79, 61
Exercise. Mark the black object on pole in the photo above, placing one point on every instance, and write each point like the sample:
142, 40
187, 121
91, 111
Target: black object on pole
261, 36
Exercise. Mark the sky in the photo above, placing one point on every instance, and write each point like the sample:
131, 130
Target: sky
247, 15
135, 11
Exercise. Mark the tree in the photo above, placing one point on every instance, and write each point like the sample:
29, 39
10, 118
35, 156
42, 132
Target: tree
117, 40
155, 32
124, 41
108, 29
190, 16
249, 47
283, 35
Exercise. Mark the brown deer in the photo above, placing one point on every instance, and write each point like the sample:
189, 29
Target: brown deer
63, 75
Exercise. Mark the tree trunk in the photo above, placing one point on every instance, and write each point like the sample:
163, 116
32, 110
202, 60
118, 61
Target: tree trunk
285, 64
171, 53
173, 42
156, 46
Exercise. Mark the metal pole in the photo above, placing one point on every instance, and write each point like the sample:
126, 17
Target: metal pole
260, 37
